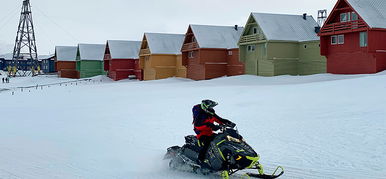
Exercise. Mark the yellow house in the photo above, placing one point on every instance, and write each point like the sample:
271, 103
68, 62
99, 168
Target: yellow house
160, 56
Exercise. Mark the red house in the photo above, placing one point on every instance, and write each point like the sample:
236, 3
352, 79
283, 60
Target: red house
212, 51
354, 37
121, 59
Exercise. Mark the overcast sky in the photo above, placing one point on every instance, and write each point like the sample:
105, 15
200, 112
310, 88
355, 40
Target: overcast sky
69, 22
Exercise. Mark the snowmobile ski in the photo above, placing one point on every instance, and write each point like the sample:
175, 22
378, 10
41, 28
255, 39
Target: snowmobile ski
266, 176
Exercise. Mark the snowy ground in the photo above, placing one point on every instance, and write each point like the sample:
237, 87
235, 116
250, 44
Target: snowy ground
320, 126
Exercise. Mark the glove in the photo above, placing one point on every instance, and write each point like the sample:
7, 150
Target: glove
228, 123
231, 124
216, 127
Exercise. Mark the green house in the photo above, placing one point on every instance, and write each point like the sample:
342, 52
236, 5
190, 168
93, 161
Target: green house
89, 60
278, 44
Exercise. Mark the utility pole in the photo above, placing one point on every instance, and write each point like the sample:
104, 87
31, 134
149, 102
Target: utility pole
25, 56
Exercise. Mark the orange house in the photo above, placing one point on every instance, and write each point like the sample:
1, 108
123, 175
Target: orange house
160, 56
212, 51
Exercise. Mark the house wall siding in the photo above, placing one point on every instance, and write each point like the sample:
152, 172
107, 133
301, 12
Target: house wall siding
213, 63
283, 58
250, 58
119, 69
180, 69
376, 40
67, 69
162, 66
235, 66
310, 62
350, 58
60, 65
90, 68
351, 63
195, 69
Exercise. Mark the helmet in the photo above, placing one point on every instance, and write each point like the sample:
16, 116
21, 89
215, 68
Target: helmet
208, 105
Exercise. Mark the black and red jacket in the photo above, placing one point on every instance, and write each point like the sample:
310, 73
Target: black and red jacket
204, 122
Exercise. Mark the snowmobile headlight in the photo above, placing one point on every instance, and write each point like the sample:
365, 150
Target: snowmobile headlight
230, 138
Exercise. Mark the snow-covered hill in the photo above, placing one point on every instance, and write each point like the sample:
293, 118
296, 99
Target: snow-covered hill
319, 126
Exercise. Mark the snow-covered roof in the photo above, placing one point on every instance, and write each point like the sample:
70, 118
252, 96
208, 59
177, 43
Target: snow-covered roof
92, 51
165, 43
217, 36
7, 56
45, 57
373, 12
66, 53
287, 27
120, 49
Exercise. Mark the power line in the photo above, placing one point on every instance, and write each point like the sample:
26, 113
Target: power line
59, 26
6, 19
11, 12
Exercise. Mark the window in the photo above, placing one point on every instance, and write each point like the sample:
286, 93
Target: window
334, 40
348, 16
251, 48
230, 53
344, 17
354, 16
363, 39
255, 30
191, 54
193, 39
340, 39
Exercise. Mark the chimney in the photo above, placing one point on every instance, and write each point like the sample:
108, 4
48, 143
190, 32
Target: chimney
305, 16
317, 29
236, 27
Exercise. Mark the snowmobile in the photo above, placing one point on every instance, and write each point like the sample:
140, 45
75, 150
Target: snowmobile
228, 153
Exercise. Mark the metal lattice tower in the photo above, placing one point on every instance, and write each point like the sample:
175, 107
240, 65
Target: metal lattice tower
322, 16
25, 52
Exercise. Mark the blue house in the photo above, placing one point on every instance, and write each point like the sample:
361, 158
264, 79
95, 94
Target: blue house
47, 63
5, 61
2, 63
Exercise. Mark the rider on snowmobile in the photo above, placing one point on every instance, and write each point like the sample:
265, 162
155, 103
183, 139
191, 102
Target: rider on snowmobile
204, 117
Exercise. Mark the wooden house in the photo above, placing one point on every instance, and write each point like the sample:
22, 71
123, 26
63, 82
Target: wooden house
212, 51
65, 61
279, 44
354, 37
160, 56
121, 58
89, 60
47, 63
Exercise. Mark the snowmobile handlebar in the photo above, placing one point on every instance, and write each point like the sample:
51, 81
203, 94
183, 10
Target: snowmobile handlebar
223, 127
228, 124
